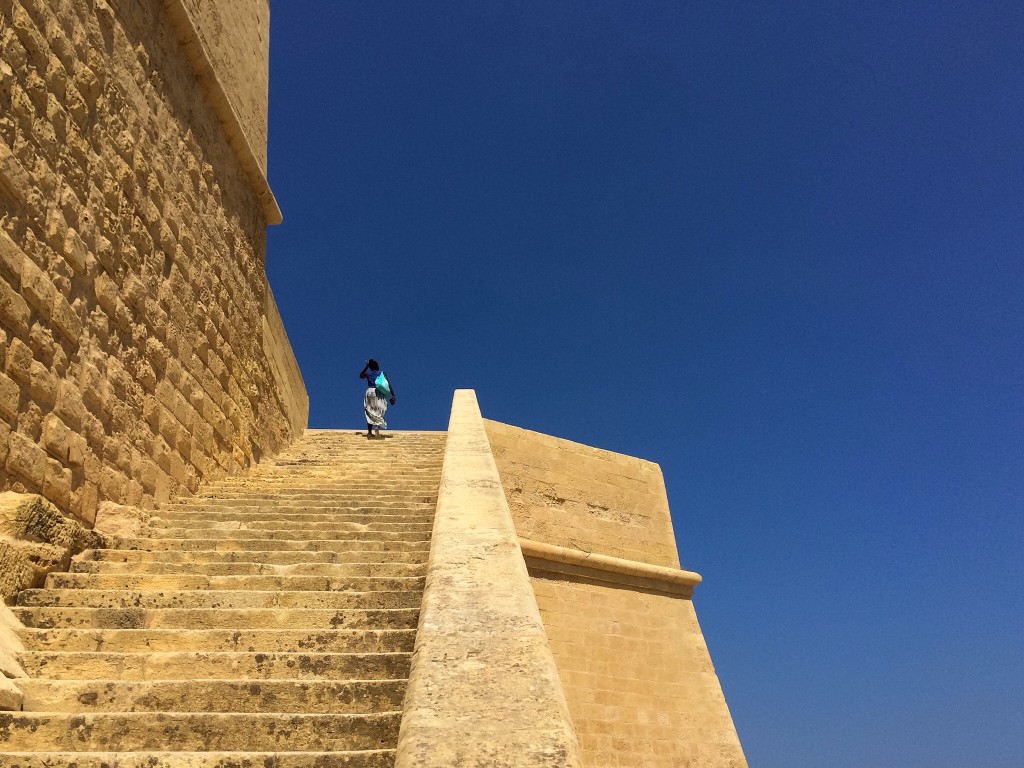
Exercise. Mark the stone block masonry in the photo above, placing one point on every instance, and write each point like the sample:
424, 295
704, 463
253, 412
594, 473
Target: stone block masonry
596, 532
575, 496
140, 349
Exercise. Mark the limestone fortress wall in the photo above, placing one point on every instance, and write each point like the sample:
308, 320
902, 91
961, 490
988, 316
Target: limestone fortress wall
141, 352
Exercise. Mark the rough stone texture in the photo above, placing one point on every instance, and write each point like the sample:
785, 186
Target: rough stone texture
483, 689
11, 696
35, 540
24, 565
118, 520
630, 654
135, 360
584, 498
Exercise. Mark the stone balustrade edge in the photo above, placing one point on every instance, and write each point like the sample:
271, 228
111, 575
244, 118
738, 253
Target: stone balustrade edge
615, 570
206, 75
483, 687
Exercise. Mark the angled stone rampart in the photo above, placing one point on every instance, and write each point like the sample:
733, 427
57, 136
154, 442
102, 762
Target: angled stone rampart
483, 689
598, 541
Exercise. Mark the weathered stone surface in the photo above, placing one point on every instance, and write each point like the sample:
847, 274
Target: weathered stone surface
113, 520
11, 697
25, 564
636, 672
483, 690
283, 654
132, 191
576, 496
36, 539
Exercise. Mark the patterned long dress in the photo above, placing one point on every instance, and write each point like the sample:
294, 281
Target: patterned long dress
374, 407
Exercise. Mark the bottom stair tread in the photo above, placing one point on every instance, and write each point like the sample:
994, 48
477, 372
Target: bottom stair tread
380, 758
149, 731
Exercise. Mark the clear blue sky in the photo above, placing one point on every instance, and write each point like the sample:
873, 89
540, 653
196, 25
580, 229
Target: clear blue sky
777, 248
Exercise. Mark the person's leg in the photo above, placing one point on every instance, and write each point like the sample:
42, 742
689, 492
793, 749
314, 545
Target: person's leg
369, 429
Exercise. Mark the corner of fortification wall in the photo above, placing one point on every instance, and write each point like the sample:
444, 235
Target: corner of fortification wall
596, 533
140, 348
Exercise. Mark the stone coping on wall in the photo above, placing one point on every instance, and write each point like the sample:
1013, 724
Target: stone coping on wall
552, 558
206, 74
483, 688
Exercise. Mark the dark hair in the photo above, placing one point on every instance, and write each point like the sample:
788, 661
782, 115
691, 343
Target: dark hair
372, 365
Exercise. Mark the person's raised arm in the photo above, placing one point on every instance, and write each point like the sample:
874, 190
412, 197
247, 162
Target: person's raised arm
362, 373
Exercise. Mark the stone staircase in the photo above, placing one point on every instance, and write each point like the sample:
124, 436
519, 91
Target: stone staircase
266, 624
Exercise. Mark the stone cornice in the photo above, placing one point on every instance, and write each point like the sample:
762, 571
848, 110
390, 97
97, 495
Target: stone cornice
616, 570
212, 87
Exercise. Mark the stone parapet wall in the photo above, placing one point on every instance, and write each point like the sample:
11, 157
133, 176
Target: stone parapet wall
584, 498
133, 298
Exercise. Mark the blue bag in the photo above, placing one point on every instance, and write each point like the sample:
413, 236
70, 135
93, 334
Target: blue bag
381, 383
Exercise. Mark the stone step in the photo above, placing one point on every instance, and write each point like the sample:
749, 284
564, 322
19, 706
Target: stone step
377, 474
365, 542
194, 515
337, 532
134, 731
249, 640
329, 570
219, 599
374, 471
278, 528
378, 758
214, 665
302, 524
201, 695
376, 498
267, 623
217, 618
268, 488
356, 502
409, 553
288, 516
150, 582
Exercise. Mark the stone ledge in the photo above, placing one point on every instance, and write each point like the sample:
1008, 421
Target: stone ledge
201, 64
551, 558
